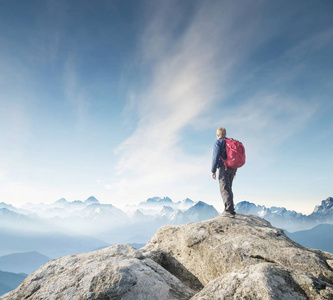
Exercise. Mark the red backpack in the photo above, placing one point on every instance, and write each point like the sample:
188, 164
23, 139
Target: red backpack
235, 154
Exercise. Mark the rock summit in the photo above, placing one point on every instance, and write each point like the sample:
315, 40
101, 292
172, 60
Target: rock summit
221, 258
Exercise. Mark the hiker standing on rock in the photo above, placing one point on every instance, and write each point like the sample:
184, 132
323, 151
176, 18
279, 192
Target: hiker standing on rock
227, 165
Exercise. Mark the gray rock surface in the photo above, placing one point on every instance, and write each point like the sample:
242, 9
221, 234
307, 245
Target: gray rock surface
266, 281
198, 253
117, 272
221, 258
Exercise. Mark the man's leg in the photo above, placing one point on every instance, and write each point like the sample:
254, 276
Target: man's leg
225, 180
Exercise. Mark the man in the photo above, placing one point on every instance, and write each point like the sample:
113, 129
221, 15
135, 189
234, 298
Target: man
226, 176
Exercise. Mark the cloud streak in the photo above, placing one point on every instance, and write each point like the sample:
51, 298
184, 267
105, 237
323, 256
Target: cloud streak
75, 93
189, 65
181, 89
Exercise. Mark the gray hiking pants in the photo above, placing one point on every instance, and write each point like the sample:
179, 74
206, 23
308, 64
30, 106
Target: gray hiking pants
225, 180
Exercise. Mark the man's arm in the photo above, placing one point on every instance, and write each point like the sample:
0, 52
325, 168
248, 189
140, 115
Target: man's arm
216, 152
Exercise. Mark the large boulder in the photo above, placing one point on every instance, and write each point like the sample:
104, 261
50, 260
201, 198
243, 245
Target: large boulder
221, 258
266, 281
198, 253
116, 272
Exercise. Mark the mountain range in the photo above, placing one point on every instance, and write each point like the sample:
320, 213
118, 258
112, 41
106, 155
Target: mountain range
290, 220
25, 262
65, 227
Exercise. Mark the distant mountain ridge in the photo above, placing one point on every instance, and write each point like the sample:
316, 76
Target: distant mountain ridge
8, 206
319, 237
290, 219
10, 281
156, 202
78, 213
105, 224
26, 262
51, 244
59, 225
201, 211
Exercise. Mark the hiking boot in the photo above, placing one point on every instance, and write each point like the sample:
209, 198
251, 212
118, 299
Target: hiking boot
228, 214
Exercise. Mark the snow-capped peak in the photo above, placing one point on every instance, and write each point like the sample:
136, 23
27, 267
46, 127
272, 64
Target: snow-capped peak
325, 207
61, 201
91, 200
188, 201
166, 211
158, 201
8, 206
185, 204
201, 211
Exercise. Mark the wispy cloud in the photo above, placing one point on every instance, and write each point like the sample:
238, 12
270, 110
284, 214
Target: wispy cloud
182, 87
189, 65
187, 59
44, 46
75, 93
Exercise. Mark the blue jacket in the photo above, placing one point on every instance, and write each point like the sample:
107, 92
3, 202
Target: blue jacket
219, 150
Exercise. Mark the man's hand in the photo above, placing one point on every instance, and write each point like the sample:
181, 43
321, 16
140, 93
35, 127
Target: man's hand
214, 176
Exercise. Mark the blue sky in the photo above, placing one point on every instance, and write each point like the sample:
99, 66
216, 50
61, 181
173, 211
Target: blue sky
121, 99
